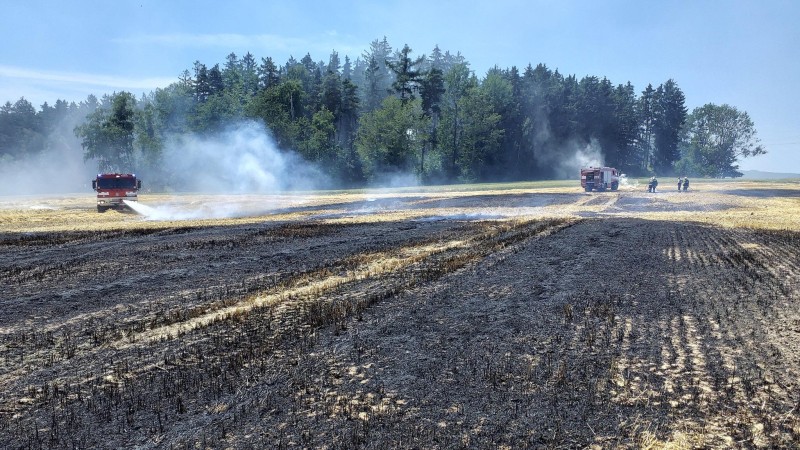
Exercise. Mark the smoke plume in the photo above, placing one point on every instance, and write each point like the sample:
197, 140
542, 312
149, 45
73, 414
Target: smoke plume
566, 161
243, 159
58, 169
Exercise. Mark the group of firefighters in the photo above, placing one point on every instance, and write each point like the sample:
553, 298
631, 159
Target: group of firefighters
683, 182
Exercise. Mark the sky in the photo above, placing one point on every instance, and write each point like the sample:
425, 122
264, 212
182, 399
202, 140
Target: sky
737, 52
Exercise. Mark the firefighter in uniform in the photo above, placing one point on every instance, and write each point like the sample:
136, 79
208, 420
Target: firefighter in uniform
651, 187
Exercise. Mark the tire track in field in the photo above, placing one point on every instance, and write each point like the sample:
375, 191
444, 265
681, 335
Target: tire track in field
317, 299
706, 332
738, 374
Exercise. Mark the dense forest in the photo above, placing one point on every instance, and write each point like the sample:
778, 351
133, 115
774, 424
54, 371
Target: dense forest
391, 112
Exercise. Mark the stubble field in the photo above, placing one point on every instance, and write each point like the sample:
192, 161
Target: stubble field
497, 316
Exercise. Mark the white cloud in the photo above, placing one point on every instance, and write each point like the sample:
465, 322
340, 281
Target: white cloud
40, 86
89, 79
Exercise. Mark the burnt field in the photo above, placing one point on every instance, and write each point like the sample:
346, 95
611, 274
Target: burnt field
523, 317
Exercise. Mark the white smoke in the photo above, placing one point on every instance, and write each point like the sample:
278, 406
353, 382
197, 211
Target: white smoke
566, 161
243, 159
58, 169
395, 180
589, 155
221, 207
625, 183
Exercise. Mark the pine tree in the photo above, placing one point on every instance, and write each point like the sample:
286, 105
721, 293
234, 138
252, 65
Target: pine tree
431, 91
268, 75
373, 92
249, 71
216, 84
202, 88
347, 69
406, 76
333, 63
646, 112
626, 129
231, 73
670, 119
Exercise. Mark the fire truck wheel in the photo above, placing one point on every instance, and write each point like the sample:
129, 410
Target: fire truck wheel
101, 209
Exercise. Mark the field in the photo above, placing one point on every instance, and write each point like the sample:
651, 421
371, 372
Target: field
490, 316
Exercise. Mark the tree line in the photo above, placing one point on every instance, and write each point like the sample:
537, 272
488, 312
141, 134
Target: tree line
389, 111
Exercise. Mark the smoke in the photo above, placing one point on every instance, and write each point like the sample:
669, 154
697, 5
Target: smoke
227, 207
243, 159
394, 180
625, 183
240, 161
591, 155
567, 160
578, 156
58, 169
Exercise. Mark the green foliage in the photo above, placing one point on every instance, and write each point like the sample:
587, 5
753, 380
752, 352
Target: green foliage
406, 75
481, 135
717, 137
280, 108
389, 139
22, 132
108, 134
458, 82
148, 140
321, 144
670, 118
216, 112
443, 123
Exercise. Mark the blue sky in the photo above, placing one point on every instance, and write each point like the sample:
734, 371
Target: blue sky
743, 53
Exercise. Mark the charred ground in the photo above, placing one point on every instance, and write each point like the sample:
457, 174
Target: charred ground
600, 320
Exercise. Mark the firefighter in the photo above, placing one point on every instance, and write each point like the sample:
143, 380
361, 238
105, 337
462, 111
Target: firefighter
651, 187
685, 184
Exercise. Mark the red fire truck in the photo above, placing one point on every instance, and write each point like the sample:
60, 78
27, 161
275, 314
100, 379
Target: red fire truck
113, 188
599, 178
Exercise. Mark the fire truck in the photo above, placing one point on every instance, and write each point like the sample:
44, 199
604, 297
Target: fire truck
113, 188
599, 178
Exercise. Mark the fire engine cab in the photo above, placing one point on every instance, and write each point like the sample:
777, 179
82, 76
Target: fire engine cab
113, 188
599, 178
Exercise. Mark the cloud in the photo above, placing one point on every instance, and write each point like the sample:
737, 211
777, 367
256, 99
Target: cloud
86, 79
40, 85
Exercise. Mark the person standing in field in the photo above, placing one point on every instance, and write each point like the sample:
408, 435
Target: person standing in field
651, 186
680, 181
685, 184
